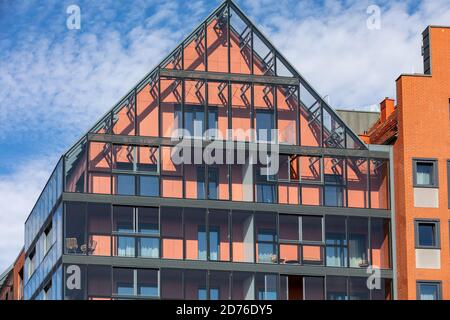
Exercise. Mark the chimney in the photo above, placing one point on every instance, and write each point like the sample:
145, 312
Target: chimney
387, 107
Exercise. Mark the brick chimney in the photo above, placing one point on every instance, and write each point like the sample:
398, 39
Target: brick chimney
387, 107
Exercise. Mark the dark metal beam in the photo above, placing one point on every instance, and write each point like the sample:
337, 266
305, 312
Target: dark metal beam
131, 262
230, 205
284, 149
219, 76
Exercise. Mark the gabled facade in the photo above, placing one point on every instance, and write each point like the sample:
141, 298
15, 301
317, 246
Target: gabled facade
122, 218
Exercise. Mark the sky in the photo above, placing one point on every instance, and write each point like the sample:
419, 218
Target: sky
56, 82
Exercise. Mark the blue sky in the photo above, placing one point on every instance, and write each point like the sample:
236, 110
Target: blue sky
55, 83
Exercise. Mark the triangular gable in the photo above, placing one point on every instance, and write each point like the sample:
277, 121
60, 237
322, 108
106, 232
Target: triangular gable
227, 41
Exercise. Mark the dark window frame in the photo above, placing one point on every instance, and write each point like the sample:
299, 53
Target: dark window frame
436, 223
438, 284
435, 174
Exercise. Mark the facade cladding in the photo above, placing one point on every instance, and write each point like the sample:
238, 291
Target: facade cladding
120, 219
418, 127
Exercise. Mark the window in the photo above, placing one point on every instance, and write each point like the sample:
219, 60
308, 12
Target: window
266, 246
428, 290
427, 234
213, 243
131, 282
213, 182
425, 173
264, 125
126, 185
200, 182
358, 242
149, 186
265, 187
213, 294
32, 263
336, 241
48, 292
136, 227
194, 118
48, 240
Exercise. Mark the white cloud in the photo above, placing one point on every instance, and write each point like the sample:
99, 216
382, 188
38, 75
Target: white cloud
336, 52
18, 194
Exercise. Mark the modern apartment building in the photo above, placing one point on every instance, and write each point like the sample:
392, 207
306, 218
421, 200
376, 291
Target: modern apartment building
122, 218
419, 130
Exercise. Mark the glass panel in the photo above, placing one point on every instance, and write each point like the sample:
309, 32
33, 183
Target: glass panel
379, 184
125, 184
124, 117
194, 108
287, 108
312, 195
334, 177
147, 159
264, 104
147, 109
266, 286
171, 118
310, 169
428, 291
171, 284
194, 284
172, 233
147, 283
310, 119
148, 247
243, 286
263, 57
99, 156
312, 254
195, 181
217, 40
240, 45
358, 234
336, 288
99, 229
241, 111
427, 234
171, 174
219, 285
380, 242
123, 281
358, 289
194, 51
357, 183
75, 227
99, 281
243, 237
124, 246
291, 287
217, 110
333, 131
149, 186
148, 221
266, 241
312, 228
100, 183
314, 288
282, 69
75, 167
219, 240
424, 173
289, 227
195, 235
385, 291
336, 241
